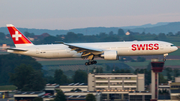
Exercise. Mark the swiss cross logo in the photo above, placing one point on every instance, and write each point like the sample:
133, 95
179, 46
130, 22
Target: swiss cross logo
16, 36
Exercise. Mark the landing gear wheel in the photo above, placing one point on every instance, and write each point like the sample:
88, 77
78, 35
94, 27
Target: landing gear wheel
94, 62
86, 63
90, 63
164, 60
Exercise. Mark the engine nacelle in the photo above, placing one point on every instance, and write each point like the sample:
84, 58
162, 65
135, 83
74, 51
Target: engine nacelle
110, 55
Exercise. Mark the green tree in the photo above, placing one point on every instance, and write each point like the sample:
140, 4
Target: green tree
162, 36
90, 97
49, 40
176, 72
97, 70
27, 34
170, 34
168, 73
178, 33
2, 36
80, 76
9, 61
71, 37
59, 77
111, 33
162, 79
25, 78
141, 59
108, 68
121, 32
60, 96
121, 71
21, 76
49, 79
37, 82
38, 99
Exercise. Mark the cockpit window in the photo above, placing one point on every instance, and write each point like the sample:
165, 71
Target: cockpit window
172, 45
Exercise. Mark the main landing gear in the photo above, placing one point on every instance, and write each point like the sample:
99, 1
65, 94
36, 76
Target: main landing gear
90, 63
91, 60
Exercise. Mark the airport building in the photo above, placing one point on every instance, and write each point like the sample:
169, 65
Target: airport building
116, 81
107, 87
119, 86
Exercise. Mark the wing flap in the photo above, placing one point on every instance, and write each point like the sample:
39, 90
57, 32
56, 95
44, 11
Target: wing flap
86, 51
82, 48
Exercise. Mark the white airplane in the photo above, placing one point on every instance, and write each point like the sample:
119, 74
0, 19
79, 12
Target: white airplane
106, 50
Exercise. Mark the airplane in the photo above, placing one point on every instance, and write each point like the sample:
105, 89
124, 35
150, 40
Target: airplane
106, 50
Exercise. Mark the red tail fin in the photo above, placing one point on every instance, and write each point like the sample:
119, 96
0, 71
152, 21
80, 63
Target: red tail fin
18, 38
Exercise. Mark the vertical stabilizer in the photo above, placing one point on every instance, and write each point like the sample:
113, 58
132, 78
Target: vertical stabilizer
18, 38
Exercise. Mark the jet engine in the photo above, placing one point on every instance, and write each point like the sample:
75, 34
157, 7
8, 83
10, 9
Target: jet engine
110, 55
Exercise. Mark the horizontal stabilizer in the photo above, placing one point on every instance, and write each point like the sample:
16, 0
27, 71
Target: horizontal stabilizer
15, 49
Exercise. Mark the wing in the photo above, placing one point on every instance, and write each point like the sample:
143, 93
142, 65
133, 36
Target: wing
86, 51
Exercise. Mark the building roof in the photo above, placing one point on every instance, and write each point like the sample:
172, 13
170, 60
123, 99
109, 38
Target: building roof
114, 74
29, 94
76, 97
75, 84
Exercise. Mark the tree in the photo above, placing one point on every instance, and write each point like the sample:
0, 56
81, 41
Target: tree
176, 72
25, 78
60, 96
27, 34
121, 71
80, 76
111, 33
168, 73
97, 70
49, 79
162, 79
121, 32
71, 37
2, 35
141, 59
170, 34
90, 97
162, 36
8, 63
59, 77
37, 82
178, 33
49, 40
38, 99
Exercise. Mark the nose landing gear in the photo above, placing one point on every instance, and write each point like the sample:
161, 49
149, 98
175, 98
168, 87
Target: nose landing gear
164, 58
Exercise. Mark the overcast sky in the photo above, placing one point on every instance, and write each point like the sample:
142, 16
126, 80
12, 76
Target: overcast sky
69, 14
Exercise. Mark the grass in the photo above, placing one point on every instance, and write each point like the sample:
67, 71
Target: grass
8, 87
138, 64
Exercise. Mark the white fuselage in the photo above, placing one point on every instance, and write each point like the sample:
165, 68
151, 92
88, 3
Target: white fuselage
130, 48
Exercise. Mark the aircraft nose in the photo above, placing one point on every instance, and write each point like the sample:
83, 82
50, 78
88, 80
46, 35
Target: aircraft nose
176, 48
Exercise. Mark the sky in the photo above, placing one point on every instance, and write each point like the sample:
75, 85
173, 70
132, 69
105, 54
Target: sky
71, 14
